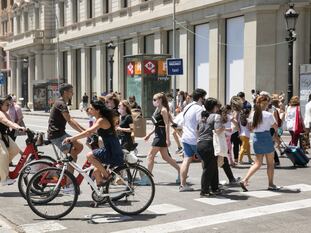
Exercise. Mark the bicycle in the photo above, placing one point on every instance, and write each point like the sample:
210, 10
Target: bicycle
30, 154
32, 168
46, 190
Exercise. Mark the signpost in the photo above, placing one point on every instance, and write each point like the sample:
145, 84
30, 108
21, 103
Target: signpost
174, 66
1, 78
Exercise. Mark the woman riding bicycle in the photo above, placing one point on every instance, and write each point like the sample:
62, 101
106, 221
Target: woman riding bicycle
8, 148
111, 153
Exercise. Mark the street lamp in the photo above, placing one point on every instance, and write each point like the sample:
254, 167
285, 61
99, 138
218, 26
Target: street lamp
111, 47
291, 17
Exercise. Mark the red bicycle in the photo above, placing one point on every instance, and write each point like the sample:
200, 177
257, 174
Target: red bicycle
30, 153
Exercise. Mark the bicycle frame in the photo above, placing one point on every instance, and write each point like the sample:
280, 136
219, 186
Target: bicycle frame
29, 150
83, 174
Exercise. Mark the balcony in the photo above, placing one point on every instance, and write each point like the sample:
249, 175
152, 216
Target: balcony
28, 38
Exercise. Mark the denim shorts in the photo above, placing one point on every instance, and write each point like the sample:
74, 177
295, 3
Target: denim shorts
59, 143
189, 150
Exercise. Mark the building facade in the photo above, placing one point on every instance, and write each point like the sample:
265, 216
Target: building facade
227, 46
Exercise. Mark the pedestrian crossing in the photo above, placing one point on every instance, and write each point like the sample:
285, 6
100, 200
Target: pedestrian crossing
167, 209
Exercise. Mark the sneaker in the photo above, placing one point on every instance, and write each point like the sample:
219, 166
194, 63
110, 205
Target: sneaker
69, 189
144, 181
179, 150
8, 181
235, 181
185, 188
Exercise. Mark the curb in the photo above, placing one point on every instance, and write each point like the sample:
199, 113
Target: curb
47, 115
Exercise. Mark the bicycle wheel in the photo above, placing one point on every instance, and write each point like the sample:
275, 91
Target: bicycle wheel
28, 171
55, 195
131, 191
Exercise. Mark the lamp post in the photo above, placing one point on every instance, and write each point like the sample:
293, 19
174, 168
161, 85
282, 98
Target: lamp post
174, 54
291, 17
111, 47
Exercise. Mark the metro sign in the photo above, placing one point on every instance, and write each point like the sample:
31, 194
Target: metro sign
150, 67
130, 69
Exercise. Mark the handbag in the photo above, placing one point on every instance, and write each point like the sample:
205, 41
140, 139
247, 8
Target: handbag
298, 128
179, 119
220, 144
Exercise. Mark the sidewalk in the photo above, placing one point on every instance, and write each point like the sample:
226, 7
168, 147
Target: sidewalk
74, 113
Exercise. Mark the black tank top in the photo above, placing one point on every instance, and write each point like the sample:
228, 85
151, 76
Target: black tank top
158, 118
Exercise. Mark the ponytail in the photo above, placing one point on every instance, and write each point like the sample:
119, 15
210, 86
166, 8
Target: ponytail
257, 120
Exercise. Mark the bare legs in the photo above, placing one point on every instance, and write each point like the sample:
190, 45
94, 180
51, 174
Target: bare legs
258, 162
184, 170
99, 171
165, 156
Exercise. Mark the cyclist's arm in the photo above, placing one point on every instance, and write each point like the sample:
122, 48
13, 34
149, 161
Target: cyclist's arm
101, 123
4, 119
72, 122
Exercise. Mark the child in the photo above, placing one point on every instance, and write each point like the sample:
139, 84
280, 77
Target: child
225, 112
244, 136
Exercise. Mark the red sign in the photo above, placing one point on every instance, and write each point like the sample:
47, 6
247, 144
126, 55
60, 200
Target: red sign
150, 67
130, 68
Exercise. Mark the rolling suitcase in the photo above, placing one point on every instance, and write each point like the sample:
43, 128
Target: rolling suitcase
297, 156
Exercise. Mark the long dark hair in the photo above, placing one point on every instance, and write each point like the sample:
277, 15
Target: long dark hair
209, 104
224, 111
104, 112
257, 120
3, 99
164, 100
244, 115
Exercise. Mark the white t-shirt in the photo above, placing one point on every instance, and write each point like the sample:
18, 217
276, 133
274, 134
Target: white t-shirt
191, 121
244, 131
227, 125
267, 122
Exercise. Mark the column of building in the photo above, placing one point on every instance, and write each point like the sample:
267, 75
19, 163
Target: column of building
31, 78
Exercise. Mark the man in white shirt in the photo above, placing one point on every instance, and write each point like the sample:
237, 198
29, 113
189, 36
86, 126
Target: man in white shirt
192, 116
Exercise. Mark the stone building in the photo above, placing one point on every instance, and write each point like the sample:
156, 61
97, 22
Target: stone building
227, 45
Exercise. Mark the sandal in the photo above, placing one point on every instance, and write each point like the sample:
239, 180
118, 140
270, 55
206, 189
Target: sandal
243, 186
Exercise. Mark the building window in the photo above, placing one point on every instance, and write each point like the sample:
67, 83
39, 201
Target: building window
37, 18
18, 24
75, 11
25, 21
149, 44
61, 9
3, 4
105, 6
93, 71
170, 43
4, 27
124, 3
65, 67
234, 56
201, 57
12, 24
90, 9
128, 47
78, 76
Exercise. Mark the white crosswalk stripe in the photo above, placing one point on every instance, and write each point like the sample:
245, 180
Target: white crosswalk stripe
209, 220
165, 208
215, 201
260, 194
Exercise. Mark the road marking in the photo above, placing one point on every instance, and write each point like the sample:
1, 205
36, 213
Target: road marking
42, 227
209, 220
215, 201
260, 194
301, 187
5, 227
165, 209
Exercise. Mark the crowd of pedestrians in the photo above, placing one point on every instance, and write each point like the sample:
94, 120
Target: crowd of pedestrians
220, 136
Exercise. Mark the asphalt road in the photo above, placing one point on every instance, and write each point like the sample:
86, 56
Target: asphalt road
256, 211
